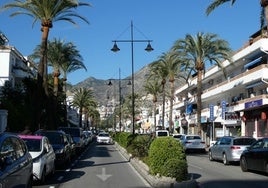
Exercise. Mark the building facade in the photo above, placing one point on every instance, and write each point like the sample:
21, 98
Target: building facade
232, 105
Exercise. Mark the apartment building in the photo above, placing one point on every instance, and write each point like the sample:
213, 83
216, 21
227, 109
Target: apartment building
14, 66
232, 105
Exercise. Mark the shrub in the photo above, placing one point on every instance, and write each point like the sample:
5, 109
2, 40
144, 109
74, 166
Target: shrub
167, 158
175, 168
139, 146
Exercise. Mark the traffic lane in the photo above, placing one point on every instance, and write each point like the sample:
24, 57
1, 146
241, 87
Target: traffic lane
211, 174
103, 167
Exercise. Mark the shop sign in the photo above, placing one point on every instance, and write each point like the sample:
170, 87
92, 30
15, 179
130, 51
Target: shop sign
253, 104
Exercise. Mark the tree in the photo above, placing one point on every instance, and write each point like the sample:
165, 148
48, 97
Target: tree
47, 12
83, 99
195, 52
263, 4
171, 62
153, 87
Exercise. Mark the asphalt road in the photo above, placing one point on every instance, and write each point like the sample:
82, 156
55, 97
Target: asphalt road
99, 166
214, 174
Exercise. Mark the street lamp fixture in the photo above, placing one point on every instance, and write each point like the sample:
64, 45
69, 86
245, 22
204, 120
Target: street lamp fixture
148, 49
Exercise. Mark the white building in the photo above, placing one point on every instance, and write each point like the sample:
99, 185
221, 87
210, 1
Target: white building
14, 67
236, 105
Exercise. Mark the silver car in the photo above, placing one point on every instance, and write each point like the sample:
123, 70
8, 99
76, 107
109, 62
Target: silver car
229, 149
193, 142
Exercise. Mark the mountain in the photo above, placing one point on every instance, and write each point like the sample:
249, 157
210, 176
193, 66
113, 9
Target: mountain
104, 92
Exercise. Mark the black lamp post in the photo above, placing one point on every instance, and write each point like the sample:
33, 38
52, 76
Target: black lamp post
120, 96
148, 49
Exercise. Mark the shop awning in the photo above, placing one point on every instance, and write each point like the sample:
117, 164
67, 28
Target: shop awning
254, 84
251, 63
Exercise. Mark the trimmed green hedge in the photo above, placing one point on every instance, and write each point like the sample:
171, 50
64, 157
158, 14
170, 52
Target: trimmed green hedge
167, 158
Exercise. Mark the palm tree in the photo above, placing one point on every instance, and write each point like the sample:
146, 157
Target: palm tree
159, 70
195, 52
63, 57
47, 12
171, 62
153, 87
83, 99
263, 4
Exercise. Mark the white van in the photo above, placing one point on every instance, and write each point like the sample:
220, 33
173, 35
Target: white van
160, 133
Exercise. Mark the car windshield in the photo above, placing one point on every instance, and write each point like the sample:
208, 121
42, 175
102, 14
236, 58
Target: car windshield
104, 135
33, 144
177, 136
193, 138
244, 141
162, 133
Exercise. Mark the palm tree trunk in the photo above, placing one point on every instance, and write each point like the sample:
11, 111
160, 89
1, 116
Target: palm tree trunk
199, 102
171, 105
163, 109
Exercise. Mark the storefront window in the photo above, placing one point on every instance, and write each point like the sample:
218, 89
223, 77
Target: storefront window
262, 128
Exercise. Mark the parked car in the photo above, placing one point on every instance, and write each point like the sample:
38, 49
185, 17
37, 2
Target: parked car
229, 148
160, 133
193, 142
77, 135
15, 162
177, 136
42, 154
72, 144
60, 144
86, 137
255, 157
104, 138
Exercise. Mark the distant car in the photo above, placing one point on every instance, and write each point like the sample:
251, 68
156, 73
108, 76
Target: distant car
77, 135
15, 162
193, 142
60, 144
104, 138
43, 156
229, 148
160, 133
255, 157
86, 137
177, 136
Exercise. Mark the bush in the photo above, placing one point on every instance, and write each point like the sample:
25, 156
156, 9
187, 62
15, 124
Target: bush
139, 146
167, 158
175, 168
123, 138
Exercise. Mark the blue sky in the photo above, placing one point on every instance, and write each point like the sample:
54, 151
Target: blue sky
163, 21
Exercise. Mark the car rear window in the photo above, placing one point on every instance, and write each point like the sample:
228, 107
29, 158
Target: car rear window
243, 141
33, 144
160, 133
193, 137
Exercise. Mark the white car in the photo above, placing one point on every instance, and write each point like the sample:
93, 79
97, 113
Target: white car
42, 154
104, 138
193, 142
160, 133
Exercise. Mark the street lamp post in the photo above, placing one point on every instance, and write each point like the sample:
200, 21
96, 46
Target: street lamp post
120, 96
148, 49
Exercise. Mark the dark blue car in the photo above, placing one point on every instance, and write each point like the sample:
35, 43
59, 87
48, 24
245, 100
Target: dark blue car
15, 162
255, 157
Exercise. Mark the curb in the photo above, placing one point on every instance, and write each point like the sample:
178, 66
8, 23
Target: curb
154, 181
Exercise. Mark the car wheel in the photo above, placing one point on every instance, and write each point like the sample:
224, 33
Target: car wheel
224, 159
243, 164
210, 156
